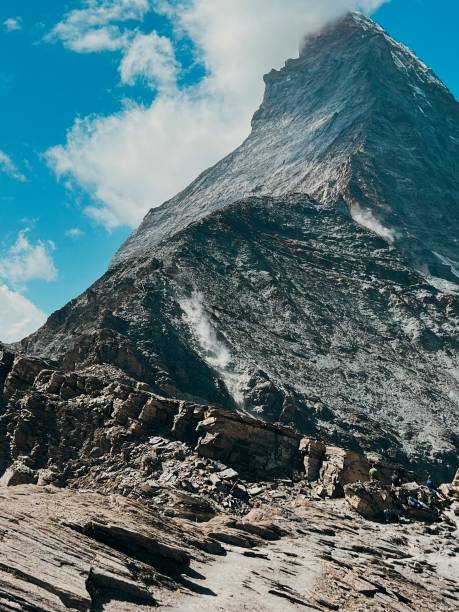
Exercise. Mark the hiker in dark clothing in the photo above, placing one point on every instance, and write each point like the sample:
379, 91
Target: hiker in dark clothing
396, 480
430, 484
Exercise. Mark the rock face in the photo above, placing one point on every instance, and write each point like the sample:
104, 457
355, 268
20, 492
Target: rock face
376, 501
201, 322
356, 118
335, 467
63, 428
78, 551
319, 311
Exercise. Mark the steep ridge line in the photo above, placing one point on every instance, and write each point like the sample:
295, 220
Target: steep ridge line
356, 118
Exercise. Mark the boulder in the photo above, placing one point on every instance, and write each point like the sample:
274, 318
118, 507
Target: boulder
454, 488
22, 375
372, 500
313, 453
186, 421
49, 477
18, 474
341, 467
333, 467
376, 501
6, 363
248, 445
150, 463
130, 408
50, 381
228, 474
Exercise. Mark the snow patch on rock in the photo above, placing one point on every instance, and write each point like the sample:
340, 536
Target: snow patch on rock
365, 218
211, 348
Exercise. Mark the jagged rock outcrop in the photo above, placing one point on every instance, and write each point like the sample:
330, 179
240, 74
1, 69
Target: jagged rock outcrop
376, 501
335, 467
62, 426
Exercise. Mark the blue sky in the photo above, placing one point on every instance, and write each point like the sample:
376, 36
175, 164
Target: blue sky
59, 233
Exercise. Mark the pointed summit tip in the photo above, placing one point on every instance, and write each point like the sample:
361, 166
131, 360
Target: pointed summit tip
360, 19
344, 27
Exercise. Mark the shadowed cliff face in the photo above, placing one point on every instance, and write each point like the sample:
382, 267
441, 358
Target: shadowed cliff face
337, 311
289, 310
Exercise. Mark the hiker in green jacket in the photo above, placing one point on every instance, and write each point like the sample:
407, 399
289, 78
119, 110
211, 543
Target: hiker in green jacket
374, 474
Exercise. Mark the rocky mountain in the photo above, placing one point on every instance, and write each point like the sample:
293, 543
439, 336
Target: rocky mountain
309, 278
356, 118
195, 431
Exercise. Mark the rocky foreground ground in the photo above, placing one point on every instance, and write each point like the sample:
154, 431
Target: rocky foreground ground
68, 550
113, 498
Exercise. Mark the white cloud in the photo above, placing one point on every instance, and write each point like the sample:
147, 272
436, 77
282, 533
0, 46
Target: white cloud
18, 316
24, 261
90, 29
136, 159
7, 166
98, 39
13, 24
74, 232
20, 264
152, 58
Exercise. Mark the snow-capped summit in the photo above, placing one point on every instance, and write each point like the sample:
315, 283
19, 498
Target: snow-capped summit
357, 118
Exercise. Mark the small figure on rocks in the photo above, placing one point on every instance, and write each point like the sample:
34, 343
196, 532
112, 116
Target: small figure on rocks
396, 480
374, 474
430, 484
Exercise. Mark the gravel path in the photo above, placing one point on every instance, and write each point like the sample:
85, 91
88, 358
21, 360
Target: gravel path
278, 577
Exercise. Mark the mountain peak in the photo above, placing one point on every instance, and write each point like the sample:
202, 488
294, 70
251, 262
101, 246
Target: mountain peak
352, 23
356, 118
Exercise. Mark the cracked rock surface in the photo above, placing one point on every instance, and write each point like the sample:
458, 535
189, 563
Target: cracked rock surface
68, 550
